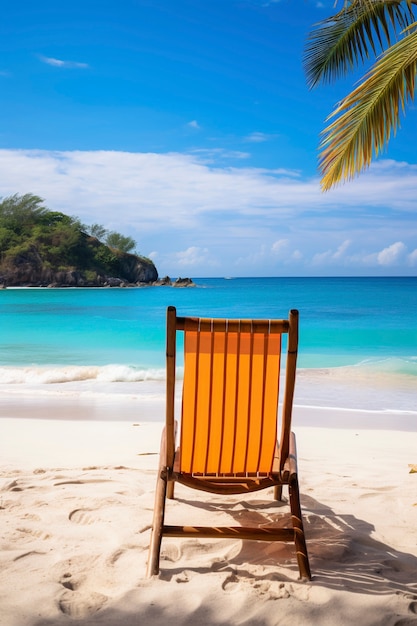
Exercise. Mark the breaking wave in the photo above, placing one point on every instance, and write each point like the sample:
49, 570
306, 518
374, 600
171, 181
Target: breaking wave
78, 373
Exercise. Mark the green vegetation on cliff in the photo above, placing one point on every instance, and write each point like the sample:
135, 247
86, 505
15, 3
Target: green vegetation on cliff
39, 246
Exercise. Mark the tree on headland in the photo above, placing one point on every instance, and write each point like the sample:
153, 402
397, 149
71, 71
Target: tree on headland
97, 230
25, 219
120, 242
365, 118
111, 238
20, 212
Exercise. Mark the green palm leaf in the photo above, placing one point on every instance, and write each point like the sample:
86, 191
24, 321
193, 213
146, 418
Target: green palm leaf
341, 42
370, 113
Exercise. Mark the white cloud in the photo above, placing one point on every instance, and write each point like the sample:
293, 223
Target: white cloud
340, 252
194, 257
191, 212
211, 155
65, 64
392, 254
412, 257
257, 137
297, 255
280, 246
330, 256
194, 124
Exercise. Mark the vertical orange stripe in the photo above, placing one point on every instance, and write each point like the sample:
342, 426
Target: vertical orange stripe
262, 399
242, 403
189, 398
230, 397
256, 416
209, 384
271, 402
216, 403
203, 403
223, 403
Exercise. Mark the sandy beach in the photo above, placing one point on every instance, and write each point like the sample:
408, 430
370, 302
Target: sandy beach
76, 502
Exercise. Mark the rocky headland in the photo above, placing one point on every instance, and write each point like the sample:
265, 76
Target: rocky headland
43, 248
29, 268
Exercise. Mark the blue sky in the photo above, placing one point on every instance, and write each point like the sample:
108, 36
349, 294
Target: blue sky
188, 125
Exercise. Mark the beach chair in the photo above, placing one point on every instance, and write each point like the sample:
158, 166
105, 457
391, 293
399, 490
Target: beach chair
229, 424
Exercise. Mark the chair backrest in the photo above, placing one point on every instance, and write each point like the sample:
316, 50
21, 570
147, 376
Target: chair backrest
230, 397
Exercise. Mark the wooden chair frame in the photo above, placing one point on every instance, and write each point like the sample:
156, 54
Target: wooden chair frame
283, 469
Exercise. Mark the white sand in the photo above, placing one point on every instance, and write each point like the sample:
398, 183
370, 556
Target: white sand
76, 501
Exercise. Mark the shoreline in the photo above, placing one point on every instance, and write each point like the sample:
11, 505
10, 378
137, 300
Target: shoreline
152, 410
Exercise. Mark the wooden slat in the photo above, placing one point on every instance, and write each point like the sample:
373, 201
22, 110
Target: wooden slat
230, 532
233, 325
227, 486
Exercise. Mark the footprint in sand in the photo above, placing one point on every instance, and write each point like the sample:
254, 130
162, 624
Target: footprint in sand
80, 605
75, 569
171, 552
29, 533
69, 582
85, 517
120, 562
77, 601
13, 486
376, 491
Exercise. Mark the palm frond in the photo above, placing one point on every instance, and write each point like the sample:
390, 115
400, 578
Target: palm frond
341, 42
368, 116
347, 3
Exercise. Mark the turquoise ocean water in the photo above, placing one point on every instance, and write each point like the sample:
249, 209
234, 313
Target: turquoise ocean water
358, 336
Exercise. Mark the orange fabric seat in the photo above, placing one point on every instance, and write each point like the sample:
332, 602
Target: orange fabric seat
228, 398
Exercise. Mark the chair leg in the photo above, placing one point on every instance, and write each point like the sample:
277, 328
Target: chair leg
299, 536
170, 489
278, 492
157, 525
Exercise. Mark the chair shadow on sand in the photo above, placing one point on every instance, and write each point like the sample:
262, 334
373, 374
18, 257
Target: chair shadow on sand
343, 553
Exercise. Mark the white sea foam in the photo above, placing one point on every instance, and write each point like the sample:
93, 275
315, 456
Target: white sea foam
391, 365
74, 373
